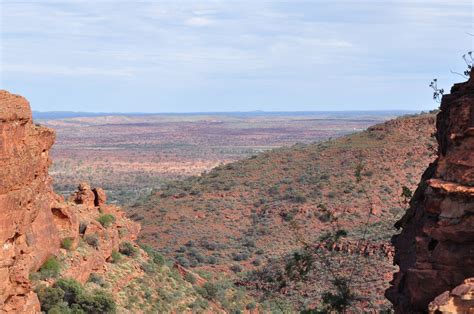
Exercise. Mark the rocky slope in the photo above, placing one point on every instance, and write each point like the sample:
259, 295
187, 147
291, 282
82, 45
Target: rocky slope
435, 250
242, 216
45, 239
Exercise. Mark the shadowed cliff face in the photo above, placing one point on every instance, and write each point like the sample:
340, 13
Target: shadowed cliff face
435, 250
34, 220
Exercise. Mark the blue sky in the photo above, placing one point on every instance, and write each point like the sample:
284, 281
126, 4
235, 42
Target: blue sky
189, 56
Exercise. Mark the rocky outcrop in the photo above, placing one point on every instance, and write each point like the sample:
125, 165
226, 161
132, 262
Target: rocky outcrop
367, 248
435, 250
84, 195
459, 300
34, 221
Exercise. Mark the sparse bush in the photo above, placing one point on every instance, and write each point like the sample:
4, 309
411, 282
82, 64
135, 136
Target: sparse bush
127, 248
50, 269
154, 255
251, 306
97, 302
199, 304
326, 216
97, 279
190, 278
257, 262
67, 243
208, 291
212, 260
287, 216
236, 268
116, 256
149, 268
106, 220
183, 261
92, 240
242, 256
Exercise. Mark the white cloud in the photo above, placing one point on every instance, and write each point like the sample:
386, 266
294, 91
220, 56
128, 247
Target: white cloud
54, 70
186, 45
198, 21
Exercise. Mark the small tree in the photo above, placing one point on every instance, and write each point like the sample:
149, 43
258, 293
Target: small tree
437, 92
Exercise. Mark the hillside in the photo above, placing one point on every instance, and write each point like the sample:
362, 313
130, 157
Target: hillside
245, 218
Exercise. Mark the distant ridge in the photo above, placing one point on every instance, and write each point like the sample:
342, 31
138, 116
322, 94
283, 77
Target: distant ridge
51, 115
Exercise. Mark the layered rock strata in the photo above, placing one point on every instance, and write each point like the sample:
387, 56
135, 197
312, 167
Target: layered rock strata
435, 250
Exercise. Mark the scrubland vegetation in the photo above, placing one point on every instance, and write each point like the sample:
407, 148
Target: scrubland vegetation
128, 156
239, 218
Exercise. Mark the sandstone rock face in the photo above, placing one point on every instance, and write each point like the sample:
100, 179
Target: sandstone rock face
34, 220
27, 231
435, 250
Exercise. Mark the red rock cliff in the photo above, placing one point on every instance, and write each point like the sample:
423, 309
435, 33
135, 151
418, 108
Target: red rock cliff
34, 220
27, 232
435, 250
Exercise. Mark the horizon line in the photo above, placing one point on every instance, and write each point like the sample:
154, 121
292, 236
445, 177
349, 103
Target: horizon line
225, 112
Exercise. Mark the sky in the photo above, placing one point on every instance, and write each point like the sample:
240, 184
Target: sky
229, 55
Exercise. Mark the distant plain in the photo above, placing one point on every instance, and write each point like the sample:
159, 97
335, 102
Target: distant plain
130, 154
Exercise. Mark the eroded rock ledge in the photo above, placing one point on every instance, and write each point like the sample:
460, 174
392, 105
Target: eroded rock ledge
435, 250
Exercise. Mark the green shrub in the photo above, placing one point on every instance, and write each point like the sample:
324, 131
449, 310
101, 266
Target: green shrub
149, 268
106, 220
50, 269
66, 243
97, 279
154, 255
61, 309
72, 290
199, 304
257, 262
49, 297
127, 248
241, 256
68, 296
92, 240
208, 291
116, 256
190, 278
236, 268
251, 306
183, 261
97, 302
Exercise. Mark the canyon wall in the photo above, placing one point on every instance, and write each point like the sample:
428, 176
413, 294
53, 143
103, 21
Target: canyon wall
34, 220
435, 250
